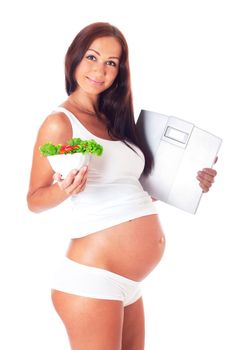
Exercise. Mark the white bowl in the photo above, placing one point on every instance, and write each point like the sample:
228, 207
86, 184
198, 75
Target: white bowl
64, 163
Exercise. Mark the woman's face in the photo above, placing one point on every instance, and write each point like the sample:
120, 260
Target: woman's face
99, 66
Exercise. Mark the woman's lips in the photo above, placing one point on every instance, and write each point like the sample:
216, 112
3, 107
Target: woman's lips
95, 82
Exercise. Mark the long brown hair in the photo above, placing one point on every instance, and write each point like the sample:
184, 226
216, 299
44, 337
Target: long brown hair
116, 102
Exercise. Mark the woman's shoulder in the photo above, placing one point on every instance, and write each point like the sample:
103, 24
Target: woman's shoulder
57, 118
56, 126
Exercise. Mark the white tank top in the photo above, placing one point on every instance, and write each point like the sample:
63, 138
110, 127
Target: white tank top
113, 193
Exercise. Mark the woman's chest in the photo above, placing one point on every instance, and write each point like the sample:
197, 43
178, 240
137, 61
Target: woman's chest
117, 160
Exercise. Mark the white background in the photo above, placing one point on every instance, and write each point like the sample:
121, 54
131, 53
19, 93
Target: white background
181, 62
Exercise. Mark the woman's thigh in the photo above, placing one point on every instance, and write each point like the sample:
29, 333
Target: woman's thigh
133, 336
90, 323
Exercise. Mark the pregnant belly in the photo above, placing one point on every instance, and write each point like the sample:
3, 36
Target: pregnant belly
131, 249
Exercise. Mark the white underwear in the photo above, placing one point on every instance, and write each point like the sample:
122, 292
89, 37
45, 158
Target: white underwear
74, 278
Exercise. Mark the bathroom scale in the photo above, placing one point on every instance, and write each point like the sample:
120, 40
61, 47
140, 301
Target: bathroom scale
179, 149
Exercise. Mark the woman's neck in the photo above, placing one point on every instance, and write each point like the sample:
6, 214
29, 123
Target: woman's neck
84, 102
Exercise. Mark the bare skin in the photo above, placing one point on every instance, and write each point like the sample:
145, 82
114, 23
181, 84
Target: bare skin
131, 249
101, 324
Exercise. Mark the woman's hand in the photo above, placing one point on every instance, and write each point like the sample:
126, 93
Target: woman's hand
206, 177
74, 182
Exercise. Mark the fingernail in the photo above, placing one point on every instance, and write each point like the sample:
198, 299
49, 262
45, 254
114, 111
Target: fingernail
84, 168
74, 171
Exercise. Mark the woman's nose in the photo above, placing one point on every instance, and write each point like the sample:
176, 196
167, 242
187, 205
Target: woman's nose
100, 69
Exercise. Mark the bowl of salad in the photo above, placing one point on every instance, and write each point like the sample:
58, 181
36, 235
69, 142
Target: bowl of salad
75, 154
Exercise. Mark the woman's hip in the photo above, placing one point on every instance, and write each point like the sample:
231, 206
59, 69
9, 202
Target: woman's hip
82, 280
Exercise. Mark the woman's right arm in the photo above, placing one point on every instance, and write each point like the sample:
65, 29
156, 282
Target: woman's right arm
43, 193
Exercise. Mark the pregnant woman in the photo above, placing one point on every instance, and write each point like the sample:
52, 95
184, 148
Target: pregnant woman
116, 237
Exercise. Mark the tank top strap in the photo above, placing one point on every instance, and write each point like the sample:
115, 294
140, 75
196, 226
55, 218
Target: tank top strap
69, 115
78, 128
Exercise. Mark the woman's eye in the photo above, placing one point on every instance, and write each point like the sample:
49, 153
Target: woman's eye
91, 58
111, 63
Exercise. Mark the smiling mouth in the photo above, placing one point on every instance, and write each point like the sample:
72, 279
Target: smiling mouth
93, 81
